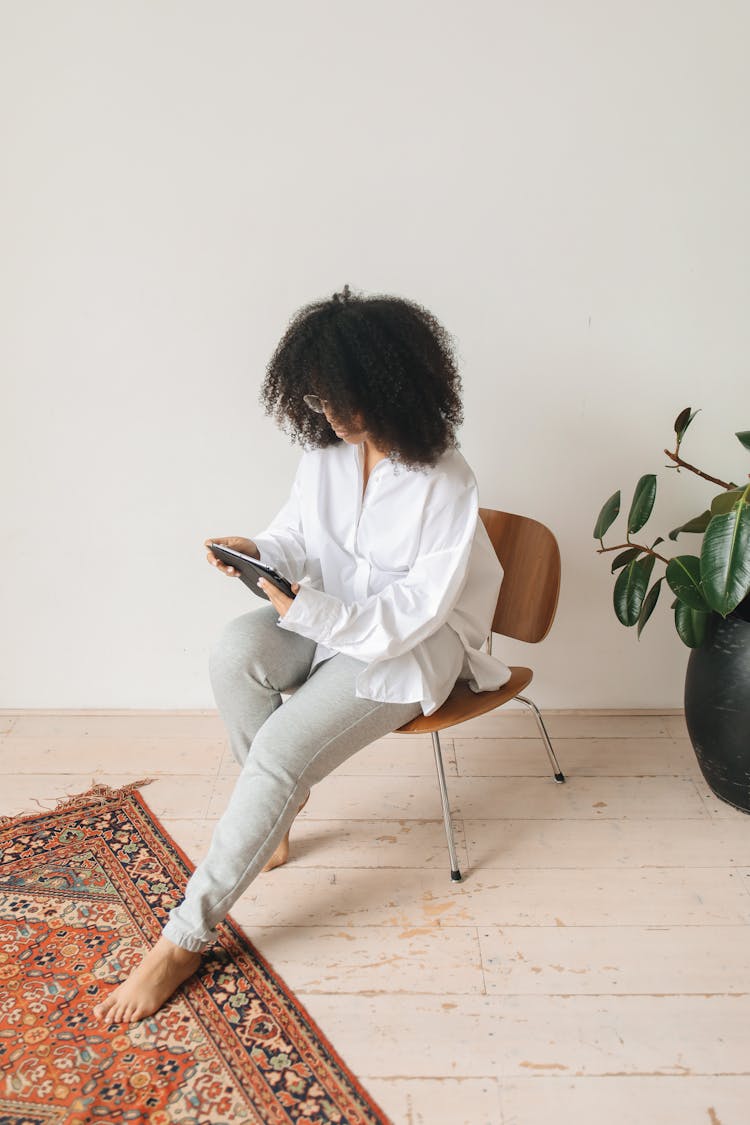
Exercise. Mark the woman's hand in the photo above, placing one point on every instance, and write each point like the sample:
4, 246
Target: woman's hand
237, 543
278, 599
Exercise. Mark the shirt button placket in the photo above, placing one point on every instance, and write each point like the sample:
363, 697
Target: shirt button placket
361, 578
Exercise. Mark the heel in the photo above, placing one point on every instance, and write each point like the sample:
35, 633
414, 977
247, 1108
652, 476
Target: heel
281, 855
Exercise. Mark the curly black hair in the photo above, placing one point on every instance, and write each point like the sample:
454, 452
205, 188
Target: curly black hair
384, 359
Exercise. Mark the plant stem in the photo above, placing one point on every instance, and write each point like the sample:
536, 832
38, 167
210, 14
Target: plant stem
622, 546
685, 465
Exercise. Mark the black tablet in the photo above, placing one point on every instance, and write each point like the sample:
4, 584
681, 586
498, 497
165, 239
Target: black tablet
251, 570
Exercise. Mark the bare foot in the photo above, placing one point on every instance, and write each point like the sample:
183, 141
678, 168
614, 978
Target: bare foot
281, 855
162, 970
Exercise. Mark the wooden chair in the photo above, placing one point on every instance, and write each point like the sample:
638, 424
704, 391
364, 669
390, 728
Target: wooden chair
525, 610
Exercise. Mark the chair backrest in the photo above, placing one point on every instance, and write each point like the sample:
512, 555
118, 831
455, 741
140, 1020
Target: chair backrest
530, 558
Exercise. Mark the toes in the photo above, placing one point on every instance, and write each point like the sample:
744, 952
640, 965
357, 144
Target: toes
104, 1006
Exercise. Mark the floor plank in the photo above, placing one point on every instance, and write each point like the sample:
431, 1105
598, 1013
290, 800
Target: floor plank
386, 960
594, 757
413, 897
156, 724
114, 753
633, 1100
624, 842
439, 1101
512, 1036
622, 960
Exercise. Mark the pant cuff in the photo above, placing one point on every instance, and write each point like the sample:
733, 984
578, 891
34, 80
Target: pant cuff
178, 935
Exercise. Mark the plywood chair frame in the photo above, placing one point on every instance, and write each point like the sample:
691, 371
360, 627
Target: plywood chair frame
526, 607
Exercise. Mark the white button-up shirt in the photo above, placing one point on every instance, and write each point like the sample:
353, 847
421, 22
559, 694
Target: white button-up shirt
404, 578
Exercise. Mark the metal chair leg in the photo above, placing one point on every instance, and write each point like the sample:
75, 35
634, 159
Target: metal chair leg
559, 775
455, 873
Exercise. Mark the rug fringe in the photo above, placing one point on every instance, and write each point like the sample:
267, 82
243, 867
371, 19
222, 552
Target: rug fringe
98, 794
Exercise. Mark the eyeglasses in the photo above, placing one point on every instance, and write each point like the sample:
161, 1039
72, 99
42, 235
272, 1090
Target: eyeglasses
315, 403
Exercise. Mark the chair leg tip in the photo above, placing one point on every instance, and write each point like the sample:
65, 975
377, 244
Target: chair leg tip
560, 777
456, 876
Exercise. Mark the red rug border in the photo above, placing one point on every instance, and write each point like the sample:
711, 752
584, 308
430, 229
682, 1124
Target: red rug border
101, 793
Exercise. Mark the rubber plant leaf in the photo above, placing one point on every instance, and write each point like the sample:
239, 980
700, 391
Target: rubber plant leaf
608, 515
684, 579
625, 557
744, 436
698, 524
643, 502
725, 501
691, 624
649, 603
630, 589
682, 421
725, 557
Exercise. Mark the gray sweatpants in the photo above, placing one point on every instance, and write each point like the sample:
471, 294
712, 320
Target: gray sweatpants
284, 748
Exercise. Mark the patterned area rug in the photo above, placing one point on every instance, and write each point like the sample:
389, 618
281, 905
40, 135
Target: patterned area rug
85, 889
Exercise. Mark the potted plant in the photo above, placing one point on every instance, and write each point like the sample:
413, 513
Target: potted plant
711, 612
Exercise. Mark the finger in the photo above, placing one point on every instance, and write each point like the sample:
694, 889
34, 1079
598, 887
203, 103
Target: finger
230, 570
269, 589
219, 564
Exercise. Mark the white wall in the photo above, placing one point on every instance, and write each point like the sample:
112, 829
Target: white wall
565, 185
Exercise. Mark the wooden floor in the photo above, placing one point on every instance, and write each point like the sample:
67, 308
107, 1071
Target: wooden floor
593, 965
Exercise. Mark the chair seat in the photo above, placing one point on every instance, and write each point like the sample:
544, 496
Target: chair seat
463, 703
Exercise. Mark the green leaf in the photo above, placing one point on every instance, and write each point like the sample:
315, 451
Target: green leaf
630, 589
697, 524
682, 421
691, 624
643, 502
625, 557
649, 602
744, 436
725, 557
684, 578
725, 501
656, 542
608, 515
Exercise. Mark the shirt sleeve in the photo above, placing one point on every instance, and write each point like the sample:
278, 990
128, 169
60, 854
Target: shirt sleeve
407, 611
282, 544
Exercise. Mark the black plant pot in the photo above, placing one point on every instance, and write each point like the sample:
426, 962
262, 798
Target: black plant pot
717, 706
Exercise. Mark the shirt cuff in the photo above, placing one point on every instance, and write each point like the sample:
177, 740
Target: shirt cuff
312, 614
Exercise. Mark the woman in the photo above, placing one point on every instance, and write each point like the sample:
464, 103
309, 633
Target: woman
395, 582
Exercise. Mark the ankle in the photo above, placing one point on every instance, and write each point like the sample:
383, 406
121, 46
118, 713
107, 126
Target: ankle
175, 952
